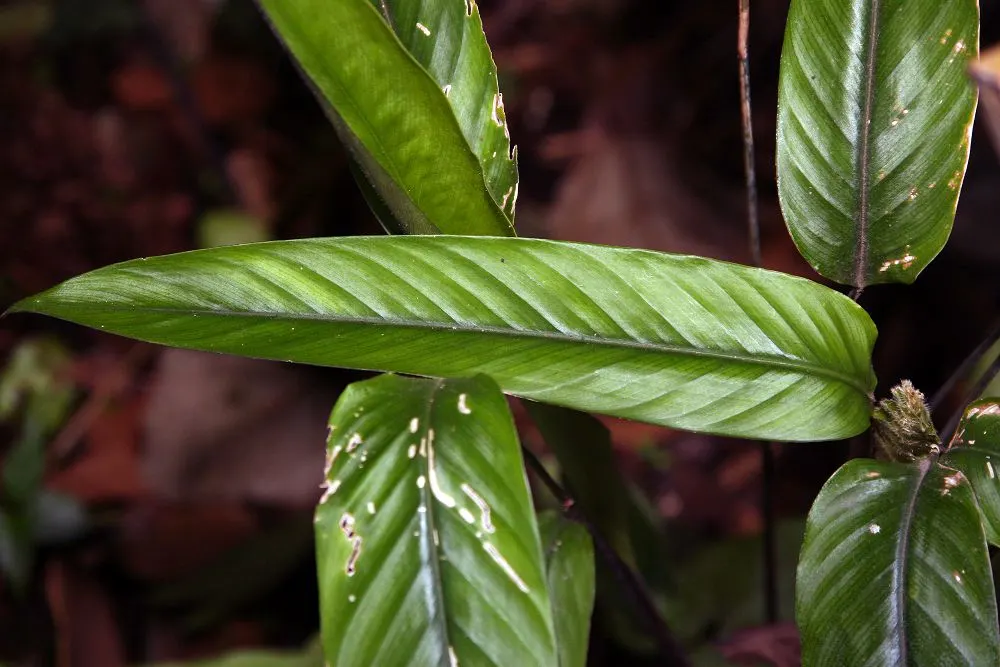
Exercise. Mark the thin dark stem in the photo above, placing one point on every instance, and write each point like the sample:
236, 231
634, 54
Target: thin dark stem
856, 293
670, 651
165, 57
749, 168
769, 544
971, 395
962, 371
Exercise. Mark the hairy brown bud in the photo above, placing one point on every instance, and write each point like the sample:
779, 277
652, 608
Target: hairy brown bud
903, 427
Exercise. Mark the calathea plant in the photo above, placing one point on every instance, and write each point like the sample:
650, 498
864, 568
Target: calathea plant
429, 550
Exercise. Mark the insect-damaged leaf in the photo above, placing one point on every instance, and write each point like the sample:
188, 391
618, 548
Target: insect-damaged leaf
446, 37
895, 571
975, 450
874, 119
427, 546
392, 116
681, 341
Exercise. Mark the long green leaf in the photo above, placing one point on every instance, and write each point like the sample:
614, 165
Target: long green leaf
874, 120
427, 546
446, 37
394, 118
975, 450
681, 341
895, 571
569, 570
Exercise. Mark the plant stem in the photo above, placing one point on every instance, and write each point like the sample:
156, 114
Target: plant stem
670, 650
769, 543
749, 168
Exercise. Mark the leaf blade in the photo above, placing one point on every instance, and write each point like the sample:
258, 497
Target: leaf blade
390, 113
446, 37
680, 341
894, 570
874, 122
427, 545
569, 570
975, 450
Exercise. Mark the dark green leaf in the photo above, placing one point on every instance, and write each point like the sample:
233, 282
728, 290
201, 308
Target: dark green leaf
589, 471
682, 341
427, 546
446, 38
395, 120
874, 119
569, 570
975, 450
894, 570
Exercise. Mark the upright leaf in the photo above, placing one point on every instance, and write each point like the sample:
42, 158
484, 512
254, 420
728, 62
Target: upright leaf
874, 121
975, 450
392, 116
446, 37
895, 571
569, 570
427, 546
680, 341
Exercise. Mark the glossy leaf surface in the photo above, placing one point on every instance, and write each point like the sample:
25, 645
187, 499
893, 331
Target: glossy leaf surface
895, 571
446, 37
569, 570
427, 546
874, 121
393, 117
975, 450
681, 341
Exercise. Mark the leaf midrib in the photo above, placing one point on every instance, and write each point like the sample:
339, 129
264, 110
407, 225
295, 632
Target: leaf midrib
900, 592
427, 498
864, 151
768, 361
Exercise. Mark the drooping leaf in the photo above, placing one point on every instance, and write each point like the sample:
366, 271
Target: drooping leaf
394, 119
895, 571
975, 450
427, 546
681, 341
569, 570
446, 37
874, 121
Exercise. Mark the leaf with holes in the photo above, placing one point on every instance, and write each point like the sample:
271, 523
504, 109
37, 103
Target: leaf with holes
427, 546
894, 570
681, 341
874, 121
393, 117
446, 37
569, 570
975, 450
